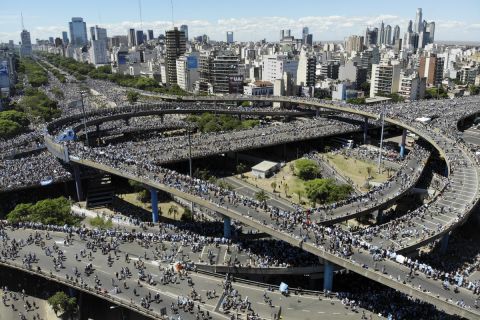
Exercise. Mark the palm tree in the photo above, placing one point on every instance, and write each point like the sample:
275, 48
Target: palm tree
262, 197
299, 194
273, 185
173, 210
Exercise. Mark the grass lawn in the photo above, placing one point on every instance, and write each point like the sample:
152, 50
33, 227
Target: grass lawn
284, 179
356, 170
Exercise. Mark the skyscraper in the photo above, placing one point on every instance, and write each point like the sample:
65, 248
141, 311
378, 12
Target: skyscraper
396, 34
304, 34
371, 36
97, 33
175, 43
139, 37
150, 35
26, 47
381, 38
65, 38
229, 36
431, 30
388, 35
418, 25
184, 28
78, 32
131, 37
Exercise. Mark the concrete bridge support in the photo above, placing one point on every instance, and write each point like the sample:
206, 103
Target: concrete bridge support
380, 216
444, 243
402, 144
154, 199
327, 275
365, 130
227, 227
78, 181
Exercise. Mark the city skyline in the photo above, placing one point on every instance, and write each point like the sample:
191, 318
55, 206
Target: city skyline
262, 23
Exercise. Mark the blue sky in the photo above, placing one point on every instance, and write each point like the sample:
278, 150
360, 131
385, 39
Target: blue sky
249, 19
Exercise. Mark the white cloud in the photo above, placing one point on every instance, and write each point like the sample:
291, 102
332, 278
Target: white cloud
254, 28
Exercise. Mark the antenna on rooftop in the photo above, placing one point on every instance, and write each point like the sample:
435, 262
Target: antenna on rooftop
173, 24
140, 11
21, 15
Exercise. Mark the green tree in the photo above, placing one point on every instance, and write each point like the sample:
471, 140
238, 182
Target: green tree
9, 129
15, 116
261, 196
61, 302
132, 96
286, 188
365, 87
241, 168
245, 104
187, 215
326, 190
273, 185
306, 169
474, 90
49, 211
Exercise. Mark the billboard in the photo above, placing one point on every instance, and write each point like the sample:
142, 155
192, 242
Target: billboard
235, 84
192, 62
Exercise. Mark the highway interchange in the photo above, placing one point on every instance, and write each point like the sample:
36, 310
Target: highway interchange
425, 224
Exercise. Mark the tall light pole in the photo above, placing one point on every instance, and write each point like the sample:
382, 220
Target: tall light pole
382, 115
84, 117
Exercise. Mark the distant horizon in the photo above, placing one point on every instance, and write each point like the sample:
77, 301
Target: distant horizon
253, 21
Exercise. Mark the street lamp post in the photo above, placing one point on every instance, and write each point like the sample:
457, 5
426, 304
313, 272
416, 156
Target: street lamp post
382, 115
84, 118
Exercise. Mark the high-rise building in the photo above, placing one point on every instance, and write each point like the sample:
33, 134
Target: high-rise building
354, 43
225, 66
131, 38
352, 72
116, 41
418, 25
98, 52
175, 43
97, 33
306, 69
385, 78
431, 30
412, 87
51, 41
381, 38
65, 38
274, 66
138, 37
285, 33
371, 36
188, 71
26, 46
150, 35
396, 34
431, 67
388, 35
78, 32
329, 69
304, 34
229, 36
184, 28
410, 28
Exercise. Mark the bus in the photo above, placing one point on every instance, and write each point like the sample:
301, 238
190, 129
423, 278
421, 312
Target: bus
344, 142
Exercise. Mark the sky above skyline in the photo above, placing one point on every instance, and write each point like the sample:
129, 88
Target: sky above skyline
248, 19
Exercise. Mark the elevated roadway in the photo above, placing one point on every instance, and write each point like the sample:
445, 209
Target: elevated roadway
420, 287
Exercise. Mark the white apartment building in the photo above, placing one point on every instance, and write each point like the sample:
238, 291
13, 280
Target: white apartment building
412, 87
274, 66
187, 71
385, 78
